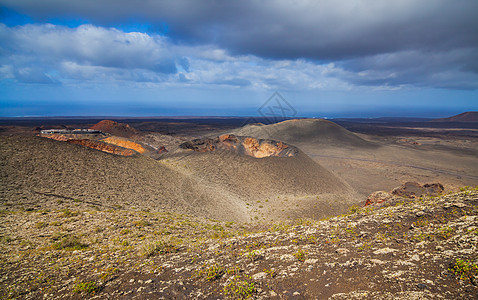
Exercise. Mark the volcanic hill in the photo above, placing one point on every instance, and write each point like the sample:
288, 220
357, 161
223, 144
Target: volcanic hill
306, 131
468, 117
115, 128
39, 172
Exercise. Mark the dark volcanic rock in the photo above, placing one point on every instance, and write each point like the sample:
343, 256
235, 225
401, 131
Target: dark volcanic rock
414, 189
407, 190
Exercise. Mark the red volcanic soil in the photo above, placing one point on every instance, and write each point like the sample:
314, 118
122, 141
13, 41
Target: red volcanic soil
469, 116
115, 128
103, 147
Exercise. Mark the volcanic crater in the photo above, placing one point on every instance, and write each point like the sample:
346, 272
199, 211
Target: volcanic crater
258, 148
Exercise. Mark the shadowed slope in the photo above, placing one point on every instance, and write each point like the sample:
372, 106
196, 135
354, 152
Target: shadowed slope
469, 116
38, 172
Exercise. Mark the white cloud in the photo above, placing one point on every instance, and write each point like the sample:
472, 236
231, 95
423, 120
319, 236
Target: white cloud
95, 54
52, 54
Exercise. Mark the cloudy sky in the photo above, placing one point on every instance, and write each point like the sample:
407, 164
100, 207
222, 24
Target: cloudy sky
340, 58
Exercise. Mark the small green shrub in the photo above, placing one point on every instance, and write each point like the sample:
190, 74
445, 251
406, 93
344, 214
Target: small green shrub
69, 243
235, 270
211, 273
271, 272
66, 213
125, 231
89, 287
445, 232
239, 289
5, 239
158, 247
354, 209
214, 272
141, 223
300, 255
40, 225
465, 270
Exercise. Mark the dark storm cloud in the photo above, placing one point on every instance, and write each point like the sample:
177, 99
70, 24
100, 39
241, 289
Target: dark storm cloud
454, 69
427, 43
321, 30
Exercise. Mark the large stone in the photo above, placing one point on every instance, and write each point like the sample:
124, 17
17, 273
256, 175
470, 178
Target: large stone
414, 189
378, 198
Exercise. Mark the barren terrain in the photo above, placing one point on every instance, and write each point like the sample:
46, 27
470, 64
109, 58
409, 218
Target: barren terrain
230, 211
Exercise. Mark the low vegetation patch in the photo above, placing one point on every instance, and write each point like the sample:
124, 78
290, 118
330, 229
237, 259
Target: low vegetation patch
239, 288
300, 255
210, 273
69, 243
158, 247
465, 270
89, 287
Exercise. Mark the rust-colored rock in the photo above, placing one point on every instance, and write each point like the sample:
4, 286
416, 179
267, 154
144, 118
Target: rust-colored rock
98, 145
57, 137
228, 138
414, 189
115, 128
260, 149
378, 198
122, 142
162, 149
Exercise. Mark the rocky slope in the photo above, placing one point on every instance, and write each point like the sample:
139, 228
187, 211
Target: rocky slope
416, 249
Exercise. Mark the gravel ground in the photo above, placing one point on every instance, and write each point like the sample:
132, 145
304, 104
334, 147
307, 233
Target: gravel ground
413, 249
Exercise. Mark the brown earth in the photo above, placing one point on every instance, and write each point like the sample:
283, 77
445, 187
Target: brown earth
109, 145
137, 146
